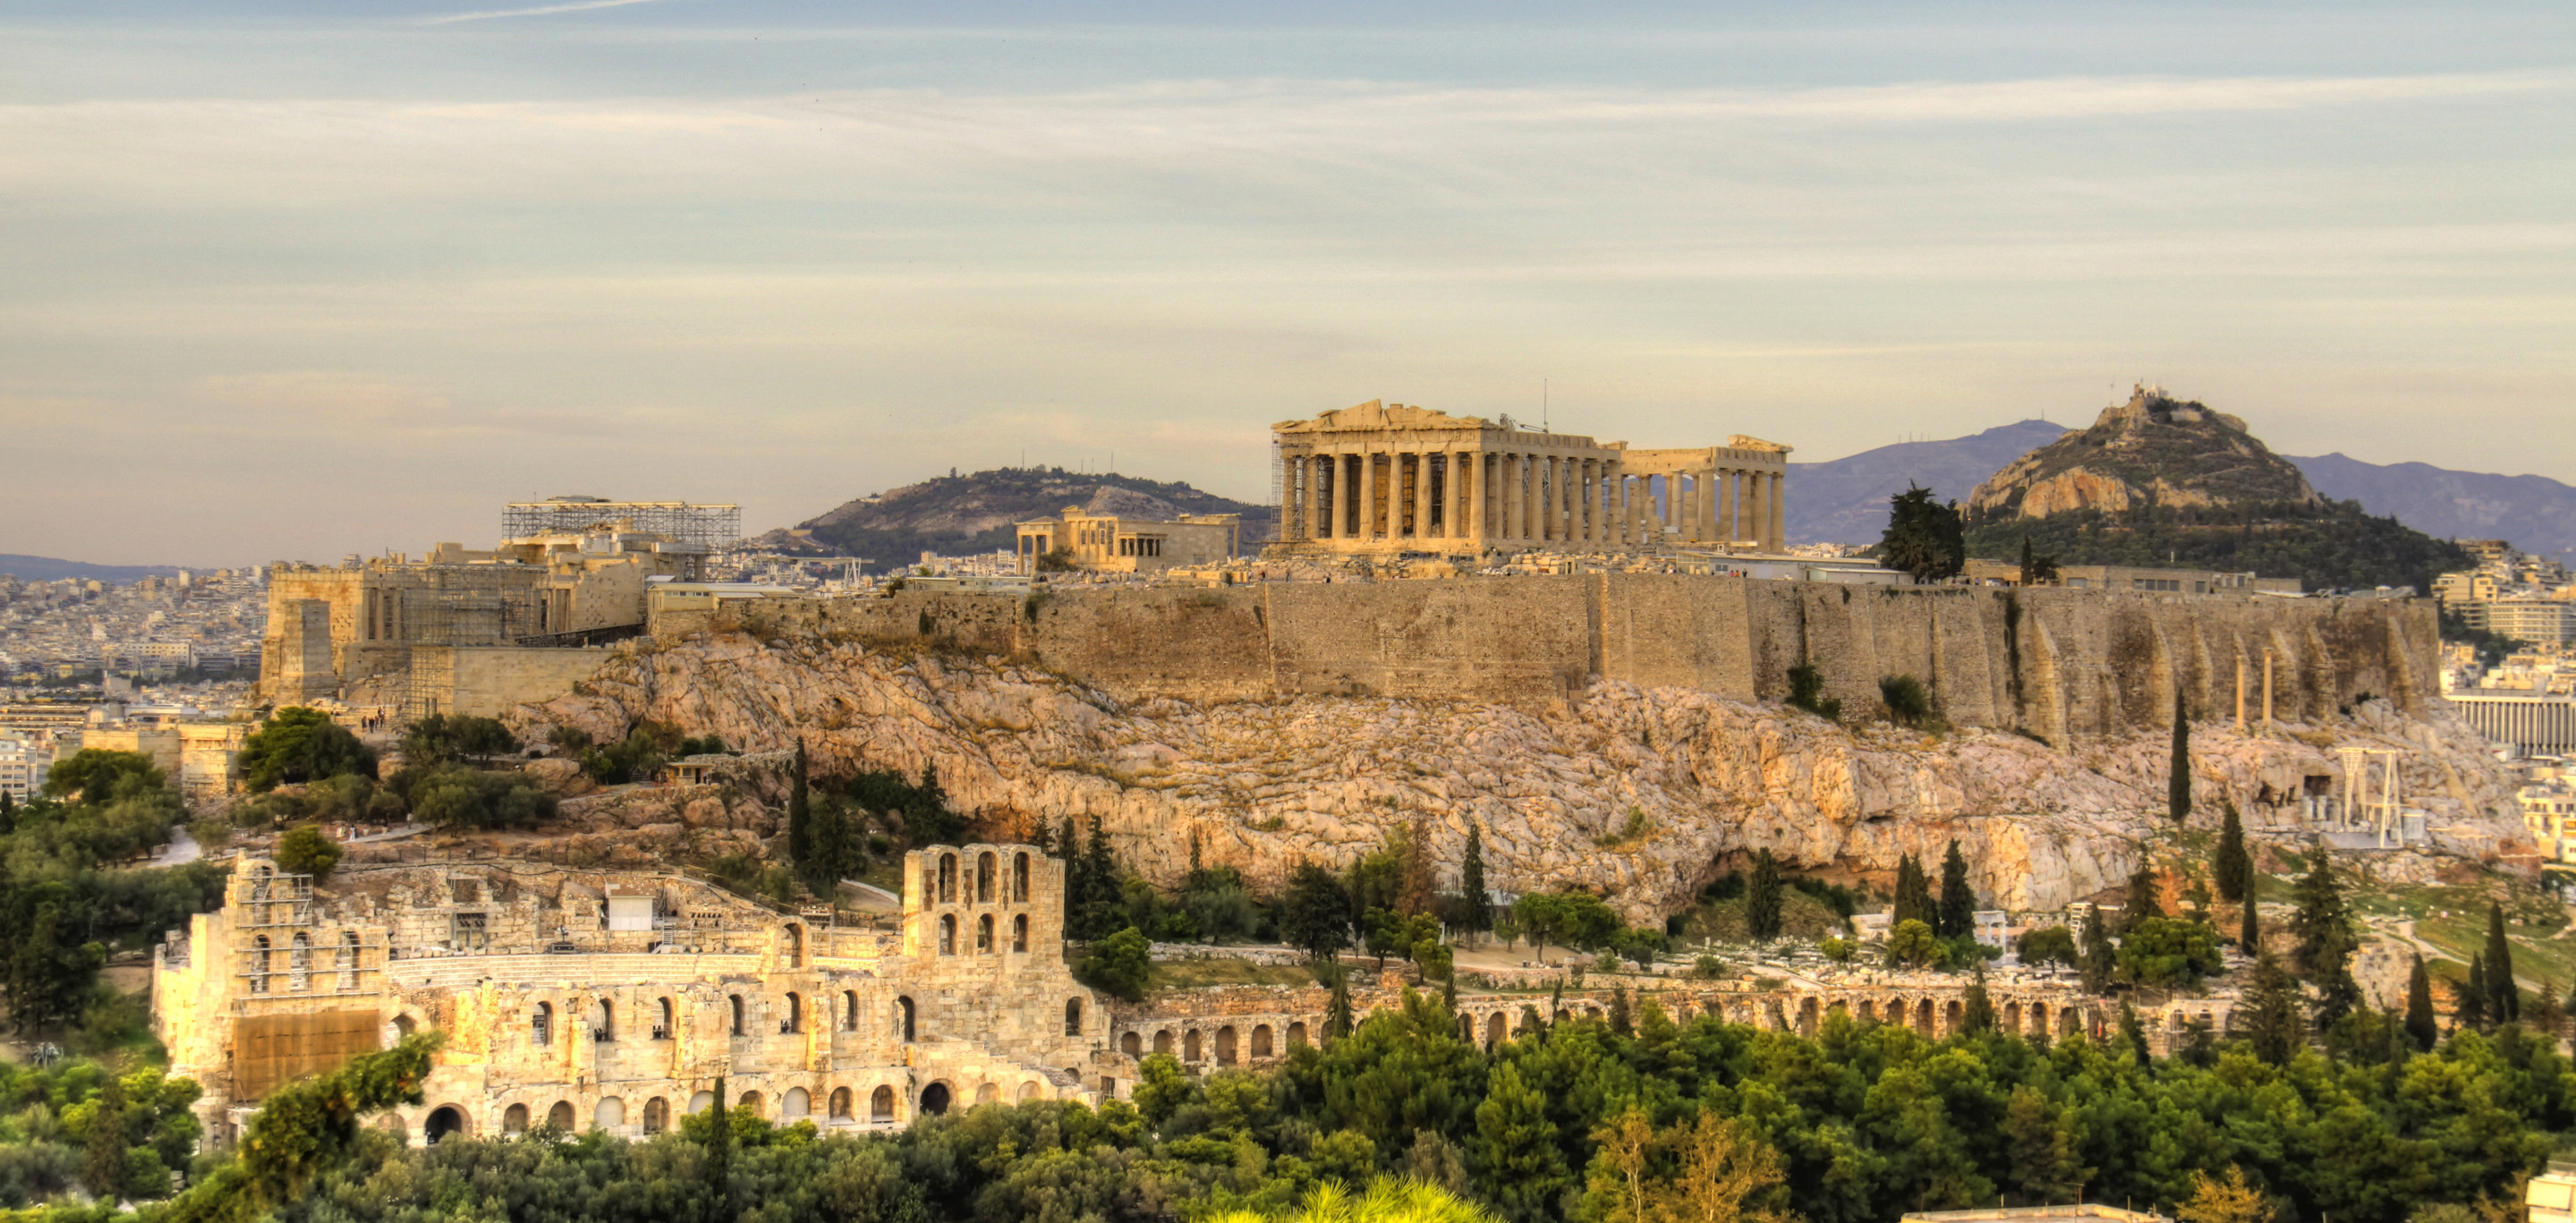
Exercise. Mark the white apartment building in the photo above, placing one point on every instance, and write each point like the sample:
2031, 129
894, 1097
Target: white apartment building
23, 762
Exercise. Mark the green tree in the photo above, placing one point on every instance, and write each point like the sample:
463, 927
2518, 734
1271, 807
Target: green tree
1978, 1014
307, 850
2470, 1011
48, 973
440, 738
1807, 692
1762, 897
800, 817
1913, 944
2036, 569
2271, 1006
2504, 993
2230, 866
717, 1146
2249, 926
2420, 1024
104, 1165
1315, 917
1924, 537
2040, 1147
2326, 941
1958, 912
2099, 957
2138, 901
95, 775
1913, 894
297, 744
2165, 952
2178, 769
1476, 913
2047, 945
1515, 1151
304, 1130
1337, 1012
1118, 965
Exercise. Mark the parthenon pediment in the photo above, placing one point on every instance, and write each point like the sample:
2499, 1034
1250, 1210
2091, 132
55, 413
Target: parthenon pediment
1744, 442
1377, 415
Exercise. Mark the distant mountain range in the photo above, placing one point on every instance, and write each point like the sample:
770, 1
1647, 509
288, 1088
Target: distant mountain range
1845, 501
54, 569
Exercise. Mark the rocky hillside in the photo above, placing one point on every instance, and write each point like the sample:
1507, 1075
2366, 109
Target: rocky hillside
1845, 500
1645, 794
973, 513
2152, 450
2158, 481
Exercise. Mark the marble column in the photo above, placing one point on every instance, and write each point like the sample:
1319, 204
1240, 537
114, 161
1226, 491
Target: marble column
1591, 502
1757, 507
1729, 501
1708, 505
1779, 533
1507, 496
1368, 515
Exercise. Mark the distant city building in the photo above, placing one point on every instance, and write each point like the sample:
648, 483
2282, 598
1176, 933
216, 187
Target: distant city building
23, 762
2538, 621
2532, 725
153, 657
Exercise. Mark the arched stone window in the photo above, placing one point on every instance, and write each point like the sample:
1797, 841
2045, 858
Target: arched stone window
989, 1093
443, 1120
1225, 1045
1132, 1045
603, 1026
1163, 1042
610, 1113
702, 1101
985, 867
840, 1107
1296, 1034
1028, 1091
795, 1104
1494, 1030
750, 1100
947, 934
935, 1098
1020, 934
541, 1025
849, 1010
662, 1022
1190, 1046
348, 954
259, 964
657, 1115
1260, 1041
514, 1119
795, 945
1020, 878
903, 1018
299, 962
736, 1001
984, 935
947, 878
1073, 1016
795, 1020
881, 1104
560, 1116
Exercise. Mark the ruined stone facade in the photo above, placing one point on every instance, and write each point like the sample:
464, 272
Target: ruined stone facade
618, 999
330, 627
1385, 479
1109, 543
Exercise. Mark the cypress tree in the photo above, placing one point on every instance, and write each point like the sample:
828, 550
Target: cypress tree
2097, 957
2249, 933
1762, 897
1978, 1015
2178, 771
800, 817
1619, 1020
1419, 880
2326, 941
2504, 994
2133, 1032
103, 1168
2230, 866
1958, 914
1913, 894
1478, 911
2472, 1011
1337, 1018
2420, 1026
1099, 870
2140, 903
719, 1166
2272, 1009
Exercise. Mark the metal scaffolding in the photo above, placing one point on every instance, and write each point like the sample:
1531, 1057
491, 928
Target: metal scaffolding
709, 526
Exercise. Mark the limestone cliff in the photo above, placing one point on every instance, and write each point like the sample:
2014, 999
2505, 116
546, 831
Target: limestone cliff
1324, 777
2150, 450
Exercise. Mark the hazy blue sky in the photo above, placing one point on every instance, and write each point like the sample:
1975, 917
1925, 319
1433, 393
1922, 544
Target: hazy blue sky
296, 280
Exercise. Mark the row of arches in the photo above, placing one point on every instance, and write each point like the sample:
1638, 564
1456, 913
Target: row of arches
984, 885
879, 1105
1228, 1045
600, 1016
984, 928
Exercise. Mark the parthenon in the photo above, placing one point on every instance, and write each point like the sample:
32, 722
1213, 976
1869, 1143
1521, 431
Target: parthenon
1385, 478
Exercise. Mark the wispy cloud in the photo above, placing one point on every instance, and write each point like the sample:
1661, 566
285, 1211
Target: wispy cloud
540, 11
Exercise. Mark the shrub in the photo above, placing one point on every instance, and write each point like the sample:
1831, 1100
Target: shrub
1908, 702
1839, 950
1708, 968
300, 744
1913, 945
569, 739
2165, 951
2047, 945
1118, 965
1807, 692
307, 850
453, 796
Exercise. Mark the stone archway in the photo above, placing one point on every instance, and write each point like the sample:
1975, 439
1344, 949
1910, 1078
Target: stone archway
935, 1099
443, 1120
